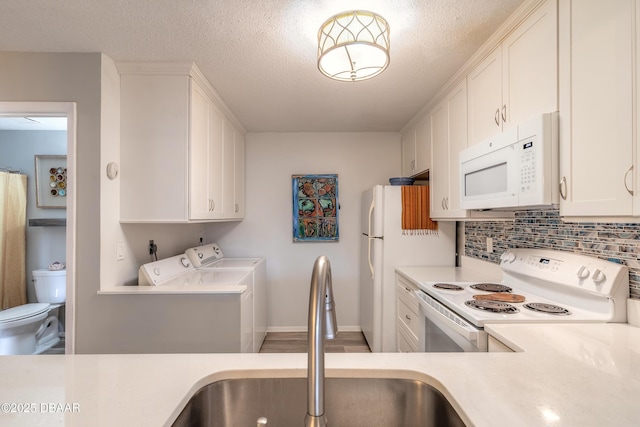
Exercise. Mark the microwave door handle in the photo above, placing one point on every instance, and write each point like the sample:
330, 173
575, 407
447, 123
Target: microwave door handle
465, 330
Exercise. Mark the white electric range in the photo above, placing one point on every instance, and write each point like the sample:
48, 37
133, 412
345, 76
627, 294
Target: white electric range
549, 286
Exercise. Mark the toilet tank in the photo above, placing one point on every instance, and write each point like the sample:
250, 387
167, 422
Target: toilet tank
50, 285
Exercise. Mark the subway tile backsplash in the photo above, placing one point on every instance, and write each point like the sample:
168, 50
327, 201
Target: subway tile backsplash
545, 229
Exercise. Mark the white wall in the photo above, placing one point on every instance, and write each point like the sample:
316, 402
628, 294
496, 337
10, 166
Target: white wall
361, 160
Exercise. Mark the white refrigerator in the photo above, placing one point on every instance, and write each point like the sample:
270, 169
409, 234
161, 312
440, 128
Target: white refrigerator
383, 248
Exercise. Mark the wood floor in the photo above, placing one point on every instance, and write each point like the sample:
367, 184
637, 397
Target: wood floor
296, 342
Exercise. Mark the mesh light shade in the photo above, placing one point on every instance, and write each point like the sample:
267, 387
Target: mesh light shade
353, 46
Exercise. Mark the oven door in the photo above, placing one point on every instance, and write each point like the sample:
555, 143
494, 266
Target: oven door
445, 331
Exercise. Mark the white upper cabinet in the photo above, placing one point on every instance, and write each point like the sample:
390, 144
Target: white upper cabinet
518, 79
179, 161
416, 149
598, 92
485, 98
448, 138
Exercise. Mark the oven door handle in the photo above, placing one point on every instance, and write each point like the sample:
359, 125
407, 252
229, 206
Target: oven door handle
456, 324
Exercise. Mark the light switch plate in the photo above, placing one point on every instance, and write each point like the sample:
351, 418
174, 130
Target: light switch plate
490, 245
119, 251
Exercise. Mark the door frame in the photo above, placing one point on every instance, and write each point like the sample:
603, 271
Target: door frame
68, 110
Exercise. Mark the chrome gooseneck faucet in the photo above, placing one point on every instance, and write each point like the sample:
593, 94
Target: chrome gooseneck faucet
322, 323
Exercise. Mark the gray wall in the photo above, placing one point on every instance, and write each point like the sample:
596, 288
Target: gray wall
361, 160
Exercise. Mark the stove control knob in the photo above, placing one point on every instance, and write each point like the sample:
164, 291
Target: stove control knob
583, 272
598, 276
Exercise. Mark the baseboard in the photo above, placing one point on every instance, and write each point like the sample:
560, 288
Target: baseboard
304, 329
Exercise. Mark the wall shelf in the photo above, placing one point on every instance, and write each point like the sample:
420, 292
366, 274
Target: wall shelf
48, 222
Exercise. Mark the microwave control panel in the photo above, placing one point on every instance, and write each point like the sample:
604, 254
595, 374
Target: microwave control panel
528, 166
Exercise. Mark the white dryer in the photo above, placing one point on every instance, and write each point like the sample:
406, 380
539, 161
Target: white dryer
229, 324
210, 256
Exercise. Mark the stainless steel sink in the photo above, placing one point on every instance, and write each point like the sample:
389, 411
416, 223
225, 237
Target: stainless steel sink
348, 402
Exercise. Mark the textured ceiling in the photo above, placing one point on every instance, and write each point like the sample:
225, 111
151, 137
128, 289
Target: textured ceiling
261, 55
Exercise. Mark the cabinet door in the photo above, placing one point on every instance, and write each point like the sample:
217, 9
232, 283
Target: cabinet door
154, 148
530, 66
205, 144
216, 162
596, 107
408, 152
423, 146
199, 153
439, 173
448, 138
485, 98
228, 170
457, 106
238, 182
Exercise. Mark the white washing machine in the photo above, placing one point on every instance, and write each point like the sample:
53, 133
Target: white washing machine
210, 256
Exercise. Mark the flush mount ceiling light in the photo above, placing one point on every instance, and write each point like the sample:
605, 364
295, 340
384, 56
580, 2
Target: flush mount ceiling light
353, 46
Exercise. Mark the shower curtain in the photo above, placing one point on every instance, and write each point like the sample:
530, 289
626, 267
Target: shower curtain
13, 224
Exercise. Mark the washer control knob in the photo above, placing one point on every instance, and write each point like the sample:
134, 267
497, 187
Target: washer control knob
184, 261
583, 272
598, 276
508, 257
156, 271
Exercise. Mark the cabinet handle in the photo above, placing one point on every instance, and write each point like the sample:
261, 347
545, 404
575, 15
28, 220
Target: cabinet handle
563, 186
407, 289
504, 113
237, 208
497, 117
626, 175
407, 317
446, 203
442, 204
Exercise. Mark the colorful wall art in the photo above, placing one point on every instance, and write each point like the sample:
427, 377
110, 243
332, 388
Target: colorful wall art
315, 208
51, 181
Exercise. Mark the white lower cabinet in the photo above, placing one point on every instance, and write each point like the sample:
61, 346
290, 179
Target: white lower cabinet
407, 316
182, 160
598, 107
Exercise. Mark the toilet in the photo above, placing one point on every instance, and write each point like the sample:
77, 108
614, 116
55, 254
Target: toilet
29, 328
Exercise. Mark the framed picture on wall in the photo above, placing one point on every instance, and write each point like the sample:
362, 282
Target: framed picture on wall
51, 181
315, 208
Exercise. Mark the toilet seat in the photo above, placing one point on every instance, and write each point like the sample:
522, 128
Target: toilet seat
23, 312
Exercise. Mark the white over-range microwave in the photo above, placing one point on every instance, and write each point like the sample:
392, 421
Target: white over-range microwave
515, 169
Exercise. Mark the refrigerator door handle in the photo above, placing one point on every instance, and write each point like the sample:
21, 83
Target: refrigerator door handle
373, 204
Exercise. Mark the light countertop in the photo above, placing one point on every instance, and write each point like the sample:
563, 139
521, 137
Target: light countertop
564, 375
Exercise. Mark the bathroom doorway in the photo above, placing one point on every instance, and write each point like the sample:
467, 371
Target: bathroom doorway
53, 225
